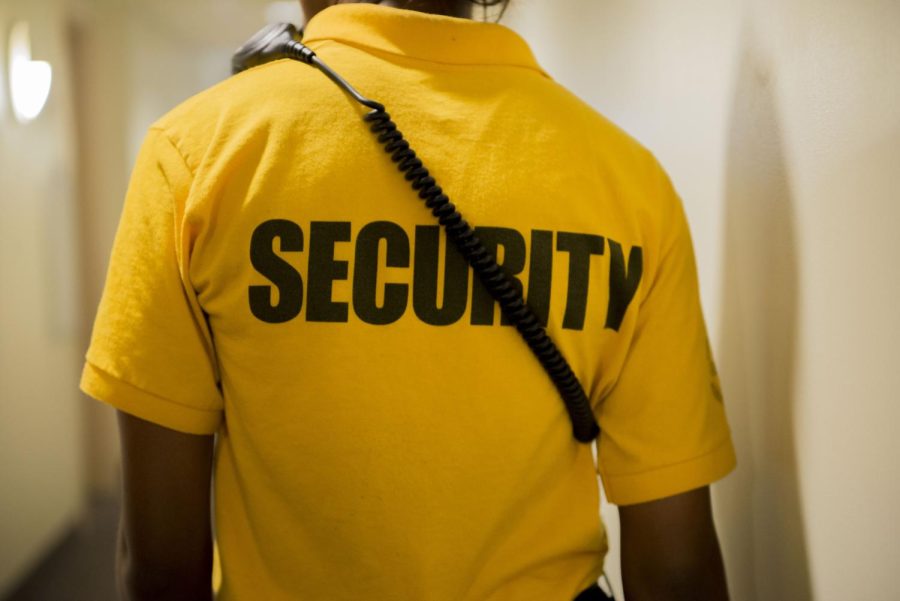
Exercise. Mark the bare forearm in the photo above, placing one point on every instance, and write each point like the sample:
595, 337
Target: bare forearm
143, 584
670, 550
165, 533
144, 581
697, 583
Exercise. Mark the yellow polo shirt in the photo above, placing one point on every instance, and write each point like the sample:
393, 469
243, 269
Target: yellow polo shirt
382, 432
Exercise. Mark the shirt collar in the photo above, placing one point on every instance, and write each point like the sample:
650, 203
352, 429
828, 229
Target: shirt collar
435, 38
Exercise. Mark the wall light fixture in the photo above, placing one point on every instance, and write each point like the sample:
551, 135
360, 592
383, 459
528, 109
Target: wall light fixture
29, 81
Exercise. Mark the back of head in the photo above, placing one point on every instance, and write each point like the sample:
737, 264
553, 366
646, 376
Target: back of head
450, 8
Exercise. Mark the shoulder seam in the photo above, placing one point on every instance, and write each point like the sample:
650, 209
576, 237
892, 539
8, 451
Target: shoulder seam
168, 138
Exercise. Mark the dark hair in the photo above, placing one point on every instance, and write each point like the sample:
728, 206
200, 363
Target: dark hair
450, 4
484, 4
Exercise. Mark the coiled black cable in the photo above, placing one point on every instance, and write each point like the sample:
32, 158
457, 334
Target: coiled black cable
283, 41
496, 280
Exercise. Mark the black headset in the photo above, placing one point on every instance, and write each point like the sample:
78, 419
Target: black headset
283, 40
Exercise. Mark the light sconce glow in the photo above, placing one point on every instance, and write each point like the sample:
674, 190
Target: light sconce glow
29, 81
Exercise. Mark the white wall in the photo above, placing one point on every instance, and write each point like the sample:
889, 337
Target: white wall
41, 463
778, 122
837, 85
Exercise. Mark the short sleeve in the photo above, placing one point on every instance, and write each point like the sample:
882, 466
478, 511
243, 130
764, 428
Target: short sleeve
664, 429
151, 353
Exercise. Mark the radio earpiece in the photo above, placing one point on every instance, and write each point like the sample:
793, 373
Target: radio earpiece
283, 40
273, 42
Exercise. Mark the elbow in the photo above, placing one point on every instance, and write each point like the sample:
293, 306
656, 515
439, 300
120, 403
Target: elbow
694, 583
142, 579
137, 580
140, 583
678, 581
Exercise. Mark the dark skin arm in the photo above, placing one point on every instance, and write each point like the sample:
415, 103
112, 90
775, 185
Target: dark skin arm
165, 533
670, 551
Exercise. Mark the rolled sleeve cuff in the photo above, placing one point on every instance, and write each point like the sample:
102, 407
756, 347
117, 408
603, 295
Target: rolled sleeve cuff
628, 489
132, 400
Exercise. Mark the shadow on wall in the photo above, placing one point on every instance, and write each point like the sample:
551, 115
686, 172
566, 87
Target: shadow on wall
759, 508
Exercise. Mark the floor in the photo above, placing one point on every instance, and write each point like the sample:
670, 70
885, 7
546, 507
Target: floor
80, 568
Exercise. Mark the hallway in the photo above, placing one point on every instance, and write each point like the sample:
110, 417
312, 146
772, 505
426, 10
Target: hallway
80, 567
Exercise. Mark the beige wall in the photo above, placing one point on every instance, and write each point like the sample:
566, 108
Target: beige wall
41, 464
779, 124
